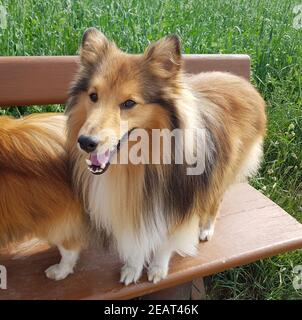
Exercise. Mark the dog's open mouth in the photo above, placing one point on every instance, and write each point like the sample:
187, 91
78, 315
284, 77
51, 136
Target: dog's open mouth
99, 163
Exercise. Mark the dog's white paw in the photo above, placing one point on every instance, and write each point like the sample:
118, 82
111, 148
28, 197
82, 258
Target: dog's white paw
206, 233
130, 274
157, 273
58, 272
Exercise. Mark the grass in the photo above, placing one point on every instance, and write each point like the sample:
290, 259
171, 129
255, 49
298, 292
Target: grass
262, 29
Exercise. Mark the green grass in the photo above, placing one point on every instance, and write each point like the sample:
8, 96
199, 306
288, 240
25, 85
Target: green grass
262, 29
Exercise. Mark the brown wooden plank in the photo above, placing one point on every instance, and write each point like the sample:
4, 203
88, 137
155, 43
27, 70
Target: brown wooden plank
35, 80
45, 80
239, 64
250, 227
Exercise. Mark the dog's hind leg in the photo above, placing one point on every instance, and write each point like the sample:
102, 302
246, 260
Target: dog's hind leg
248, 167
207, 224
70, 235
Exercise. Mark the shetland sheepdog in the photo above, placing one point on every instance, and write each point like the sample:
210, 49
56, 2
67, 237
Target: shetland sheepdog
152, 210
36, 198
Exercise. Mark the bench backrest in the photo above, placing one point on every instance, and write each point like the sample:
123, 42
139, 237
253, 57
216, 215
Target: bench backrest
45, 80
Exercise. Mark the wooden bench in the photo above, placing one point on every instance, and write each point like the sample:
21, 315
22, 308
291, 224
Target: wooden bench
250, 226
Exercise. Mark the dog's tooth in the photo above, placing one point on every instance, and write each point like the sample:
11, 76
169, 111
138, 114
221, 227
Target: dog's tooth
103, 165
88, 162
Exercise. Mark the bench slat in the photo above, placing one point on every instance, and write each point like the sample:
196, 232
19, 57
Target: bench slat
45, 80
249, 227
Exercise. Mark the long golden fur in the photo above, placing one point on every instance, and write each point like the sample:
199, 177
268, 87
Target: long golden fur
35, 192
154, 210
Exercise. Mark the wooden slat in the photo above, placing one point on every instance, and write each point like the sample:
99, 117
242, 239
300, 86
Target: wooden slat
250, 227
235, 63
35, 80
45, 80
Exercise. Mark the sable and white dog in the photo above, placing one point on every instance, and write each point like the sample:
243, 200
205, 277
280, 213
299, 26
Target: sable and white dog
152, 210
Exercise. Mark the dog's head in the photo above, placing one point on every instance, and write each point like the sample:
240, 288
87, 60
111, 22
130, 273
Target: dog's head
114, 88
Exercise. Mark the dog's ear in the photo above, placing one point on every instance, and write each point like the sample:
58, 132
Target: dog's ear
164, 56
93, 47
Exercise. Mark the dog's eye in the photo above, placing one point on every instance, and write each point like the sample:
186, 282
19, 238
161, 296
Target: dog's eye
128, 104
93, 97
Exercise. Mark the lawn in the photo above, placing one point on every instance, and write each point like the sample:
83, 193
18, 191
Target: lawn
262, 29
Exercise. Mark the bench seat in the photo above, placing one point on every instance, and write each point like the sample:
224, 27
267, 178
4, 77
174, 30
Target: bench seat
249, 227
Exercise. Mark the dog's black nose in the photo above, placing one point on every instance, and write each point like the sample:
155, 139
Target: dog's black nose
88, 143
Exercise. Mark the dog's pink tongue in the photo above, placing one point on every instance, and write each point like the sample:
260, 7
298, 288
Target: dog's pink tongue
99, 159
94, 159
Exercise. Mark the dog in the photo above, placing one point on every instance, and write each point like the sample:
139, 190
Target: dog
36, 198
153, 210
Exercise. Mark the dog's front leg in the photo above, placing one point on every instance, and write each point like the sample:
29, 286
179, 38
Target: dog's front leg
158, 268
133, 267
183, 241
